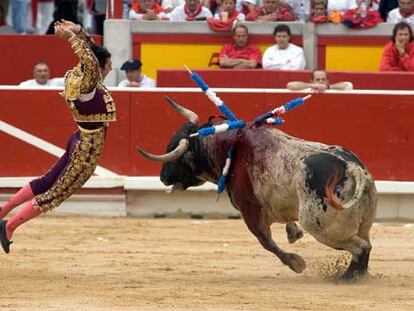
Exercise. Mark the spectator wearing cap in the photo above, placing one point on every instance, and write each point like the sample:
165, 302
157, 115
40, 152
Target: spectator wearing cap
135, 78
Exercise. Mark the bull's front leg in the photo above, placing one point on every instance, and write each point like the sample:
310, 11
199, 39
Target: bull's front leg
256, 223
293, 232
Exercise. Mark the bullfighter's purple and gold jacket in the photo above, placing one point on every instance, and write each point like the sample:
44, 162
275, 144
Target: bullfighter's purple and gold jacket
92, 107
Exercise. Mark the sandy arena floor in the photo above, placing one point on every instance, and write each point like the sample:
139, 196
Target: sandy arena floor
80, 263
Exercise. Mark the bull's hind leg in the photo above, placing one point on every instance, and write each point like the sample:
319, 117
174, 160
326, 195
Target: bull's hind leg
360, 250
254, 221
293, 232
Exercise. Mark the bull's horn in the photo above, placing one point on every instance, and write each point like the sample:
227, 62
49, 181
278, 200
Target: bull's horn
190, 115
170, 156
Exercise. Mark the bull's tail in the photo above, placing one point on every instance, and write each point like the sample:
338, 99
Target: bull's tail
353, 171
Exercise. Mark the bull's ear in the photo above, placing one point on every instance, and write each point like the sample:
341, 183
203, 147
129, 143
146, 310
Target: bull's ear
167, 157
190, 115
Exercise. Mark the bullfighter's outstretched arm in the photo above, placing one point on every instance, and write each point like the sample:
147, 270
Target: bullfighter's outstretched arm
83, 78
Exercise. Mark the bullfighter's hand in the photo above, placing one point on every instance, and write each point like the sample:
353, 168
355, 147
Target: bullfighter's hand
63, 32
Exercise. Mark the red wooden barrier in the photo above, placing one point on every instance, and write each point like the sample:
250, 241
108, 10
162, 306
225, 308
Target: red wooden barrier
19, 53
378, 128
259, 78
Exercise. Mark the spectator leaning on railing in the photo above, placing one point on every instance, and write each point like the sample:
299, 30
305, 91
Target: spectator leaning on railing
271, 11
41, 77
190, 11
319, 83
398, 55
146, 10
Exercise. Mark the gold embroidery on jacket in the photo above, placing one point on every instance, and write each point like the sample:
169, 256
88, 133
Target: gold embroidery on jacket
83, 79
83, 161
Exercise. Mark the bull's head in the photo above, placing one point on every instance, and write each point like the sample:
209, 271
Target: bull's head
185, 158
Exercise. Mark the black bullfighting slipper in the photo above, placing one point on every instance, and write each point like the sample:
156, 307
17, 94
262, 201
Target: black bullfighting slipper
5, 243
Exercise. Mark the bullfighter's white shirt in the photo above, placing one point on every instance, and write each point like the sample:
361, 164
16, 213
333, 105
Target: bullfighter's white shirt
291, 58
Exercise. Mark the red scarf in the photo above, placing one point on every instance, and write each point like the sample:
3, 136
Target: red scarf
192, 16
218, 25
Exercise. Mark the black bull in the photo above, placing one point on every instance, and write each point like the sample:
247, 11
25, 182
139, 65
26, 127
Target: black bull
275, 177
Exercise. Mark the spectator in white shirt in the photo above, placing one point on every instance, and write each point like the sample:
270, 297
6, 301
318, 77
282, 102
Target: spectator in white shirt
190, 11
41, 77
341, 5
170, 5
404, 13
135, 78
283, 55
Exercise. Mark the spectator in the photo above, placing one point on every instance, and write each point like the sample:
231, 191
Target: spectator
41, 77
341, 5
190, 11
135, 78
301, 8
64, 10
271, 11
404, 12
146, 10
227, 12
240, 54
386, 6
44, 14
226, 17
4, 29
170, 5
362, 17
97, 9
283, 55
319, 12
18, 15
246, 6
398, 55
319, 83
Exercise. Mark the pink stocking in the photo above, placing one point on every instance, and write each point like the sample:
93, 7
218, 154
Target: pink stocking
26, 213
23, 195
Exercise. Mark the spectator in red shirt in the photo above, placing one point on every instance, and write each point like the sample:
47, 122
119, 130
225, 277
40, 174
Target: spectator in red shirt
271, 11
240, 54
319, 12
398, 55
362, 17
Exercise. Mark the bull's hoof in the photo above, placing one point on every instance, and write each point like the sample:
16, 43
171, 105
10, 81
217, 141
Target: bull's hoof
351, 276
293, 232
295, 262
294, 236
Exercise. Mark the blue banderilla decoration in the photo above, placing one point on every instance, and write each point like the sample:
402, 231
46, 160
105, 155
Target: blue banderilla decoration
272, 117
